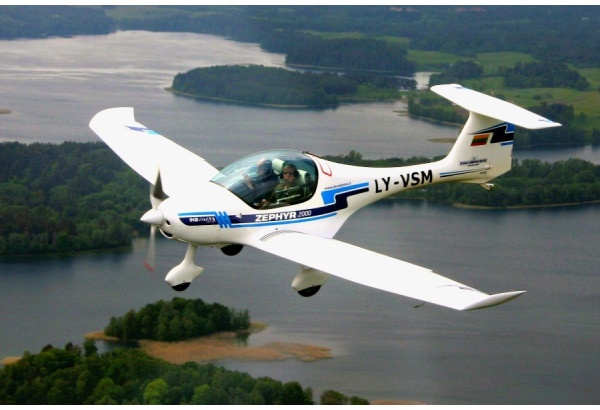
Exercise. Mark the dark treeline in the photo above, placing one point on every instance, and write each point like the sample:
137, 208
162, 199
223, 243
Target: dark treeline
76, 375
350, 54
529, 183
356, 158
275, 86
543, 74
549, 33
46, 21
457, 72
567, 135
178, 319
67, 197
522, 75
435, 108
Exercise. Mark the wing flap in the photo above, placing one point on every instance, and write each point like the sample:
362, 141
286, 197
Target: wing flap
147, 152
375, 270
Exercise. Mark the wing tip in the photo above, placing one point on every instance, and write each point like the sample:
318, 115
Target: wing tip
110, 115
494, 300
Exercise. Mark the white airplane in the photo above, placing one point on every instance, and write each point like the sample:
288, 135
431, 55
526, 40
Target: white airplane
194, 202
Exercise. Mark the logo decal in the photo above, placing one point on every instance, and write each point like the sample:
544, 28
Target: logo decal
502, 134
142, 129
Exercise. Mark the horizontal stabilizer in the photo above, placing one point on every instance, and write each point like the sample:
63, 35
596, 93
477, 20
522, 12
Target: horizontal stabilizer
492, 107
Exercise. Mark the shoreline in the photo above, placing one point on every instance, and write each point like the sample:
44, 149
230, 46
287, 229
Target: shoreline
228, 101
341, 100
225, 346
492, 208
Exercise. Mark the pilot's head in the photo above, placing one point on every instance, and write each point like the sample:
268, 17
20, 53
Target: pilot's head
289, 172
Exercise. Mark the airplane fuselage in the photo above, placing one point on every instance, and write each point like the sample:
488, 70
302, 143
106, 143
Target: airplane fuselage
219, 217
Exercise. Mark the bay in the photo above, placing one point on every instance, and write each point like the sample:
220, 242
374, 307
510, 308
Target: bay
538, 349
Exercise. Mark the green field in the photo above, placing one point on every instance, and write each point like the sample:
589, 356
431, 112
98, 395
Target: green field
584, 102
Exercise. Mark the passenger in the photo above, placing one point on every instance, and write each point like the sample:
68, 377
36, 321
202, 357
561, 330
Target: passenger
262, 185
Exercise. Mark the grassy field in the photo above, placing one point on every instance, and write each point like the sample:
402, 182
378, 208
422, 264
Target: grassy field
584, 102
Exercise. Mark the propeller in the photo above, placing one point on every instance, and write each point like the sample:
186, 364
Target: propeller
154, 218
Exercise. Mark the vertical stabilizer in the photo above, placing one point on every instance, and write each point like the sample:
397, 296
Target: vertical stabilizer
483, 149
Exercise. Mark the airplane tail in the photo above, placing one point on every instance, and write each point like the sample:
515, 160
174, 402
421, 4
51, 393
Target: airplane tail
483, 150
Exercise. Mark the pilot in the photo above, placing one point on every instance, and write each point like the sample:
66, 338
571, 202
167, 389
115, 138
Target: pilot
289, 173
282, 190
263, 184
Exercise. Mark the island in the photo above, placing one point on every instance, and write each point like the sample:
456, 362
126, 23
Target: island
278, 87
175, 372
191, 330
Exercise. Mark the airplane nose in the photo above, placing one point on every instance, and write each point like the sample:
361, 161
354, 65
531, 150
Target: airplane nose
153, 217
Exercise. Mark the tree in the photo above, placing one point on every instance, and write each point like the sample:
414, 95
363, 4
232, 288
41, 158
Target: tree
106, 392
333, 397
293, 393
155, 391
89, 348
202, 395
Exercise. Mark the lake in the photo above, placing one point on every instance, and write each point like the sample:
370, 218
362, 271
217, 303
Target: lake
538, 349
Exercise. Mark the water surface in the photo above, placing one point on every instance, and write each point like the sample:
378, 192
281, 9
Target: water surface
538, 349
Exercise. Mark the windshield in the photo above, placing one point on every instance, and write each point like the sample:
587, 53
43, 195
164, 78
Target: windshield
271, 179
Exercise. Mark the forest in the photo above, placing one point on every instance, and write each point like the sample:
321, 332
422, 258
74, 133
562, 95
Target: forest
348, 54
259, 85
548, 33
80, 375
46, 21
543, 75
67, 197
178, 319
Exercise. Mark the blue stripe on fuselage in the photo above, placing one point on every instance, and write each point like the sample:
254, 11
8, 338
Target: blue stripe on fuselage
334, 200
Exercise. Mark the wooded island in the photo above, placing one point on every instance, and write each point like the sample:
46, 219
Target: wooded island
277, 87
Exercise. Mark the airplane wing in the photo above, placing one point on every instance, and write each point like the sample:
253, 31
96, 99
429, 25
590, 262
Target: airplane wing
375, 270
148, 152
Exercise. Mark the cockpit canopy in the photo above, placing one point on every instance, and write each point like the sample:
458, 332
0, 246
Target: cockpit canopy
271, 179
